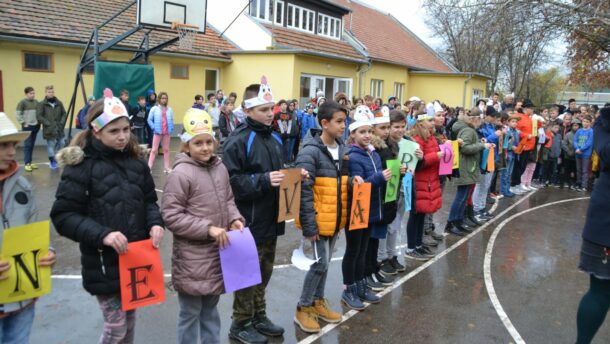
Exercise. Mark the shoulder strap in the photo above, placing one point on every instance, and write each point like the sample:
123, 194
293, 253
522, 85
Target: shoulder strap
250, 140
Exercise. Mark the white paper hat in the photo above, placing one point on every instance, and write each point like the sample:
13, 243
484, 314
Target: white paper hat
438, 107
382, 116
363, 116
113, 109
265, 96
414, 99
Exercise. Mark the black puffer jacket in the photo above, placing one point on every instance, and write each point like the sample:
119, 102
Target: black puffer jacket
250, 153
316, 210
103, 190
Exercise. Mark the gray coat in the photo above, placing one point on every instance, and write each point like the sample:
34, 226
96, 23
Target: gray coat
567, 146
470, 154
19, 209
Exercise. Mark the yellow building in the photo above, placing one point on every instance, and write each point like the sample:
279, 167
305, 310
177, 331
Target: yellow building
303, 47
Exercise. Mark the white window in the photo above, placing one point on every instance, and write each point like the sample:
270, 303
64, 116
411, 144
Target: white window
263, 9
476, 95
279, 12
300, 18
399, 88
329, 26
311, 84
376, 88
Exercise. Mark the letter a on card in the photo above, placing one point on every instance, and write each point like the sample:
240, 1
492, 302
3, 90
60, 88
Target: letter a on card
22, 247
290, 195
361, 206
141, 276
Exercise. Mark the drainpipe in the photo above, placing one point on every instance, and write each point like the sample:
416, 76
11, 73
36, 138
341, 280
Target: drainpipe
361, 72
464, 95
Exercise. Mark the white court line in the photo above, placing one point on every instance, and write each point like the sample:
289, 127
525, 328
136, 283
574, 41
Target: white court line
275, 267
326, 329
487, 268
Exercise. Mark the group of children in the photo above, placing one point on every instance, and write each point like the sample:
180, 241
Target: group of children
107, 199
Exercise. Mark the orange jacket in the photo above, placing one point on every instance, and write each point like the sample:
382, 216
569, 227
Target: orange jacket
525, 126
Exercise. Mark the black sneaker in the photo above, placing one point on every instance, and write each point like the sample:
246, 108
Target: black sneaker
372, 284
387, 268
383, 279
396, 265
425, 251
263, 325
416, 255
488, 214
451, 229
246, 333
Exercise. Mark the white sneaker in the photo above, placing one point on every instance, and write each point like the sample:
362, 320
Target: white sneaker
524, 188
532, 188
516, 190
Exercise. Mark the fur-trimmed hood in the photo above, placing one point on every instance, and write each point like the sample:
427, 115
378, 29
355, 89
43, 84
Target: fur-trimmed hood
378, 143
74, 155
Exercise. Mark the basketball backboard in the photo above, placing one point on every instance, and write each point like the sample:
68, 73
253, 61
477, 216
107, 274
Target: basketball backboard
163, 13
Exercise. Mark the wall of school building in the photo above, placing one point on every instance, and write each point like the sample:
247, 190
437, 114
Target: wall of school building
65, 59
447, 88
390, 75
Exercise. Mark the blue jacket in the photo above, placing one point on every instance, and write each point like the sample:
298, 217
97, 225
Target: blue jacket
583, 140
488, 131
508, 143
368, 166
308, 122
155, 121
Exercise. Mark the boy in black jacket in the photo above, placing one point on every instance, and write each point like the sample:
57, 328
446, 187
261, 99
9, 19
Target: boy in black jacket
138, 120
253, 157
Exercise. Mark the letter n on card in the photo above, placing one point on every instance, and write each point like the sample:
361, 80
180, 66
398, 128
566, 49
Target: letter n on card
141, 276
361, 206
290, 195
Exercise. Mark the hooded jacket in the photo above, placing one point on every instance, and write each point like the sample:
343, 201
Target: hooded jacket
367, 164
250, 153
324, 195
103, 190
388, 150
567, 146
196, 196
52, 115
429, 198
18, 209
470, 157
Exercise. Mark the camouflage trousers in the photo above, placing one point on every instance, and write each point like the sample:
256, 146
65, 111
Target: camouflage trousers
250, 301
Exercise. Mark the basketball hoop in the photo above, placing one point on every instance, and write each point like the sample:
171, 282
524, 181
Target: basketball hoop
186, 35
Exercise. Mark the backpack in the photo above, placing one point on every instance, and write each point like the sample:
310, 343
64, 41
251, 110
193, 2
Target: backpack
80, 119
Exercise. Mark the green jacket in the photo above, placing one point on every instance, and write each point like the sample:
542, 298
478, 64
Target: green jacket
470, 154
26, 112
52, 117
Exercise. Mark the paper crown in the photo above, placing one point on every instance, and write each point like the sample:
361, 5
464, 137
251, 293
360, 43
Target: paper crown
362, 116
264, 95
113, 110
383, 115
196, 122
438, 107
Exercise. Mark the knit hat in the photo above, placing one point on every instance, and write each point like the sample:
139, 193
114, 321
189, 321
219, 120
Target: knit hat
576, 121
390, 98
9, 132
362, 116
196, 122
113, 110
149, 92
491, 111
91, 98
382, 115
264, 95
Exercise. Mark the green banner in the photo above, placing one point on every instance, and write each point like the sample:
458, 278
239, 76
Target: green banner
391, 190
135, 78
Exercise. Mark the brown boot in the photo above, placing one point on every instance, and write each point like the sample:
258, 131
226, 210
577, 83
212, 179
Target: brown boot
307, 319
325, 313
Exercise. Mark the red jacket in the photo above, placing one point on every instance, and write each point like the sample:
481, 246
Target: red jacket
526, 128
428, 197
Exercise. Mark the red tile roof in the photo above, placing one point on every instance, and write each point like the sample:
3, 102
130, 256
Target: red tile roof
386, 39
290, 38
74, 20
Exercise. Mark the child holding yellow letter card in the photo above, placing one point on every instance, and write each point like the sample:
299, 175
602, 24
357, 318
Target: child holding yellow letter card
18, 208
105, 200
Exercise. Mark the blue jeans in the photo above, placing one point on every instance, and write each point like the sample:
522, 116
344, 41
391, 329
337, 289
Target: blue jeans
140, 135
459, 203
28, 144
54, 145
15, 329
505, 175
287, 149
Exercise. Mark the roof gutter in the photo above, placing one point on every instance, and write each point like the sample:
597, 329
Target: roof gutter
42, 41
282, 50
361, 73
